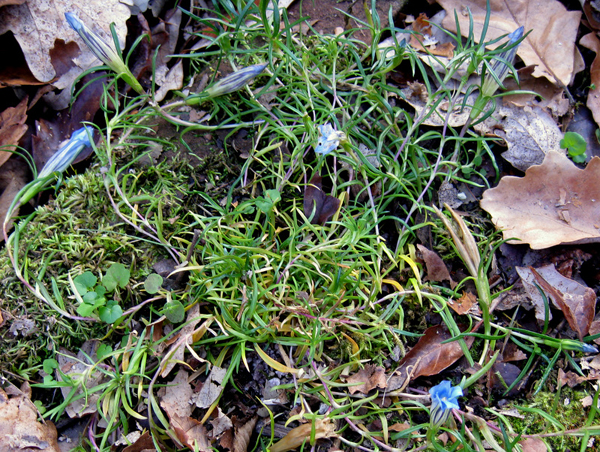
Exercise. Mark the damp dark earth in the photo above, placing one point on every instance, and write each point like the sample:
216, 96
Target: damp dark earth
306, 225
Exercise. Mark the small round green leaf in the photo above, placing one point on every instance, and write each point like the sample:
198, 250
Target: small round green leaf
84, 282
153, 283
174, 311
574, 143
49, 365
103, 350
110, 313
116, 275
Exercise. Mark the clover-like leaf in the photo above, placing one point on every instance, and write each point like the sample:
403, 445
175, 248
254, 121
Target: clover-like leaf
103, 350
116, 275
576, 145
85, 282
111, 312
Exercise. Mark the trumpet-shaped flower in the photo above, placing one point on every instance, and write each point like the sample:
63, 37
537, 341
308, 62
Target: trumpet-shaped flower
444, 397
235, 81
329, 139
105, 52
62, 158
497, 72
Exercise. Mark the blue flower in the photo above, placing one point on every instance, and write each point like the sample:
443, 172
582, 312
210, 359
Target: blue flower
62, 158
105, 52
329, 139
444, 397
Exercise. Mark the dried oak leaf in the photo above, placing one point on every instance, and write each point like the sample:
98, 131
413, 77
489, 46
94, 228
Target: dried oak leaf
429, 357
371, 377
12, 128
592, 42
36, 26
191, 433
143, 443
211, 389
549, 96
423, 38
533, 445
530, 133
551, 44
175, 397
555, 203
19, 429
467, 303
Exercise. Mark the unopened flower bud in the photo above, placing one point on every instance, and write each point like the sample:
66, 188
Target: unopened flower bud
62, 158
235, 81
104, 52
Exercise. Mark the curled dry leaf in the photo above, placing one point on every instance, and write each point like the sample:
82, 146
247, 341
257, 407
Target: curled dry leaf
243, 435
324, 428
13, 177
428, 357
191, 433
577, 302
318, 204
551, 44
503, 375
175, 397
371, 377
555, 203
12, 128
143, 443
177, 350
436, 269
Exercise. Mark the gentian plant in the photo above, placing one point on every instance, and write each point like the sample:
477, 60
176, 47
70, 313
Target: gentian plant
108, 54
492, 75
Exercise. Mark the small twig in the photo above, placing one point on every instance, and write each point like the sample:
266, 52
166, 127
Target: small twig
190, 251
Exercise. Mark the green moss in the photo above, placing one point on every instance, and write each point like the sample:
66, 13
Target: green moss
79, 231
564, 406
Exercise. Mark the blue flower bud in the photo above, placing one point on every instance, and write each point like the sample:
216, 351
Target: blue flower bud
62, 158
104, 52
235, 81
497, 72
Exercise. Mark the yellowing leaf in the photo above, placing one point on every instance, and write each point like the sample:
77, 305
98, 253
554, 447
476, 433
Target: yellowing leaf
274, 364
555, 203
